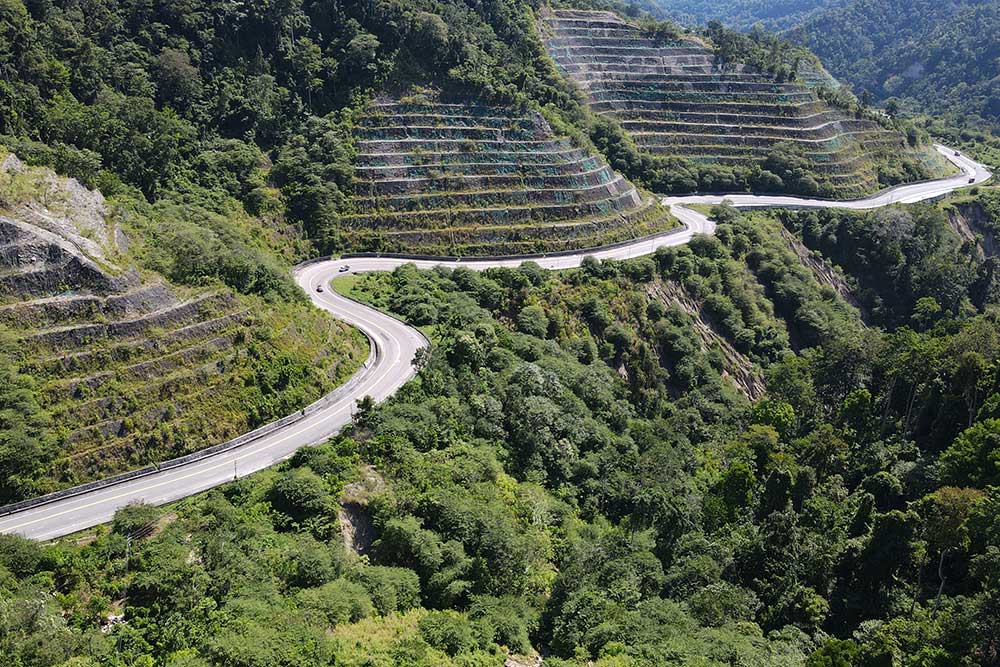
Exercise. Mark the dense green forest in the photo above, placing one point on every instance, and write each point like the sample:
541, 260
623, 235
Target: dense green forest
773, 15
586, 466
919, 56
252, 103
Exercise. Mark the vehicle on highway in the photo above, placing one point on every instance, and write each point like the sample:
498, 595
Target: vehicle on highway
319, 288
344, 268
972, 180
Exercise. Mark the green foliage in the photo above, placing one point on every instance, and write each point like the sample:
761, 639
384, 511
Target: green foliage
723, 603
974, 457
192, 245
448, 631
778, 415
763, 51
252, 106
898, 257
20, 557
440, 565
834, 653
391, 588
336, 602
922, 55
304, 498
134, 519
533, 321
596, 487
512, 620
773, 15
24, 435
255, 644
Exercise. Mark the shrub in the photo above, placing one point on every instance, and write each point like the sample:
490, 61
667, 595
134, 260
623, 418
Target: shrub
22, 557
339, 601
134, 518
533, 321
721, 603
391, 588
448, 631
300, 494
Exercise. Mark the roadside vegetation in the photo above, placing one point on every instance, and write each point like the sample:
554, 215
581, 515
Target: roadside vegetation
584, 466
248, 112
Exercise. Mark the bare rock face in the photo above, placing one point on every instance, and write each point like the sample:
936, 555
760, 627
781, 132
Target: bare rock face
37, 262
54, 236
11, 164
61, 205
356, 526
971, 222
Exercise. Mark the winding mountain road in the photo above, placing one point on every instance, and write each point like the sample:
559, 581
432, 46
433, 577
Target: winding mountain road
390, 366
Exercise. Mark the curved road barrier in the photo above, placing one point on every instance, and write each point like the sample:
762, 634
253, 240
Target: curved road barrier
394, 345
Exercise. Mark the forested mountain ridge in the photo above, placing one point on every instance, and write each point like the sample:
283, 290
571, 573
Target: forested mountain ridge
232, 140
258, 103
933, 57
927, 56
772, 15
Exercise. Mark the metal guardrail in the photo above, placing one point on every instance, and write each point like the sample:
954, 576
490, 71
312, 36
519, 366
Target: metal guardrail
259, 432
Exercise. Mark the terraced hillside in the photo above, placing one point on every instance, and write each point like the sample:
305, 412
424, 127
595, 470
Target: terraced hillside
130, 369
468, 179
675, 100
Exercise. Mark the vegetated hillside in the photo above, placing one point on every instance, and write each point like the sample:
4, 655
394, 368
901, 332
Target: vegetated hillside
772, 15
574, 471
465, 178
107, 369
931, 56
976, 220
746, 114
253, 104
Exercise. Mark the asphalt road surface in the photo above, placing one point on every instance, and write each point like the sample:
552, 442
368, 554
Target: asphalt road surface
395, 346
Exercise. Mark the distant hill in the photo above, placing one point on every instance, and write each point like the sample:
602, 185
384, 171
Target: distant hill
934, 57
773, 15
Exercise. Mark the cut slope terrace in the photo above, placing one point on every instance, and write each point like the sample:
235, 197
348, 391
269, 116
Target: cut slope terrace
131, 370
676, 100
472, 179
